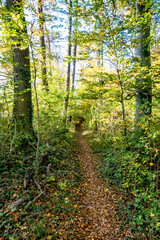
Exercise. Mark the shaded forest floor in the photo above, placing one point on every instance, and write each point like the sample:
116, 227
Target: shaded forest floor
76, 203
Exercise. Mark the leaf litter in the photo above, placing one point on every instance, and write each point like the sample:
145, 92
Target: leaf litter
99, 201
77, 205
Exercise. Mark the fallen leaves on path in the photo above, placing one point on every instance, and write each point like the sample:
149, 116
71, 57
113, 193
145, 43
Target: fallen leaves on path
100, 203
77, 203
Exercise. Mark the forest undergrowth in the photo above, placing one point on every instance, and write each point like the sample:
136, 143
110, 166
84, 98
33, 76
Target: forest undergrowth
63, 203
129, 166
58, 212
78, 195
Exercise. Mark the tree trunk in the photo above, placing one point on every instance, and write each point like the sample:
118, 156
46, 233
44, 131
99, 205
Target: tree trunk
42, 44
67, 90
74, 66
100, 55
122, 103
75, 44
142, 54
49, 54
22, 110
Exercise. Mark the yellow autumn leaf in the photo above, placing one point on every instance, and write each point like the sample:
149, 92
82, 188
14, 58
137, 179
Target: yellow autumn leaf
151, 215
66, 199
49, 237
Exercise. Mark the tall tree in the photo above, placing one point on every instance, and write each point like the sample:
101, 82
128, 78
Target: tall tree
42, 43
67, 90
74, 66
142, 54
22, 109
75, 44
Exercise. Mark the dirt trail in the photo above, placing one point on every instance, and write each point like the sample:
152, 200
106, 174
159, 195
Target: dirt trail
99, 201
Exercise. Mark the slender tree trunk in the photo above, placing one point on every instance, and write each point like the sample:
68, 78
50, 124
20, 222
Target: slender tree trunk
75, 44
42, 43
122, 103
36, 163
100, 55
99, 101
142, 54
22, 110
74, 66
49, 54
67, 90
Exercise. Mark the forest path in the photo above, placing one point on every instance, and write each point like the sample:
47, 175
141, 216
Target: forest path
100, 202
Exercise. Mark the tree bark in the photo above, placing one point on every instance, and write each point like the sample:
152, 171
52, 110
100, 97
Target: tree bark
67, 89
74, 66
42, 43
122, 103
75, 44
22, 109
142, 54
